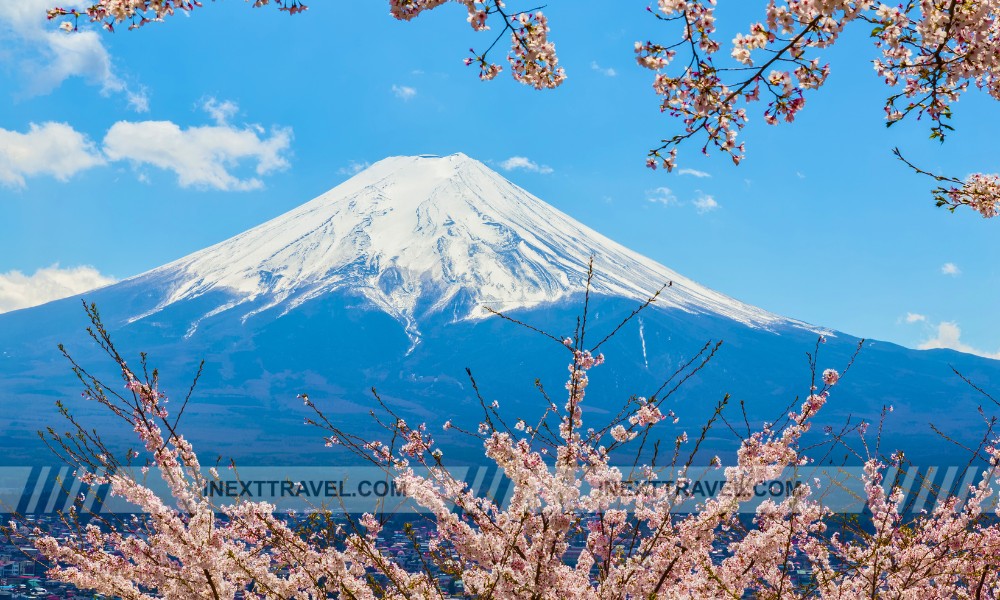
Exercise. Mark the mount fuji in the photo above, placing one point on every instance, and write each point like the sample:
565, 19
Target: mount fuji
385, 281
417, 237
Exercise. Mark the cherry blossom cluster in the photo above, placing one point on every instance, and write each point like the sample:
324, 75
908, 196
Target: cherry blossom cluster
409, 9
635, 548
186, 551
708, 97
533, 58
979, 191
140, 12
939, 555
935, 49
931, 49
532, 55
635, 544
479, 10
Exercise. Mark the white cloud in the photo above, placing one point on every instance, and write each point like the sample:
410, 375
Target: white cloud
705, 203
694, 172
49, 56
606, 71
950, 269
18, 290
139, 100
661, 195
200, 156
353, 168
915, 318
220, 112
522, 162
949, 336
54, 149
403, 92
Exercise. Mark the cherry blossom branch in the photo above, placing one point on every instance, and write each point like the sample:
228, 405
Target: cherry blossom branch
934, 49
979, 191
517, 547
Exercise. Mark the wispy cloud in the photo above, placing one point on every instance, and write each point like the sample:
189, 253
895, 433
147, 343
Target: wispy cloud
693, 172
52, 149
404, 92
353, 168
606, 71
915, 318
661, 195
524, 163
49, 56
949, 336
705, 203
221, 112
950, 268
18, 290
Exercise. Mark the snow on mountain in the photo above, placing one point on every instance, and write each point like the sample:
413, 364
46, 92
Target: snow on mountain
424, 235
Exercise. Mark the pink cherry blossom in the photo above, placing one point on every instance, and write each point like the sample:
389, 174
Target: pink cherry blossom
633, 547
929, 52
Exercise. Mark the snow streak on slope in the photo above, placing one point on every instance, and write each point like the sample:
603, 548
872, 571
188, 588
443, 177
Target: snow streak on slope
423, 235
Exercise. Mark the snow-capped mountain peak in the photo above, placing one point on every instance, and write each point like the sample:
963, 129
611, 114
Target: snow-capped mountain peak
422, 235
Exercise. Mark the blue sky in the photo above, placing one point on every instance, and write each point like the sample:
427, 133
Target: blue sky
120, 152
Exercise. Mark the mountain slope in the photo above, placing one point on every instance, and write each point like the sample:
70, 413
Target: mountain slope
425, 235
380, 282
